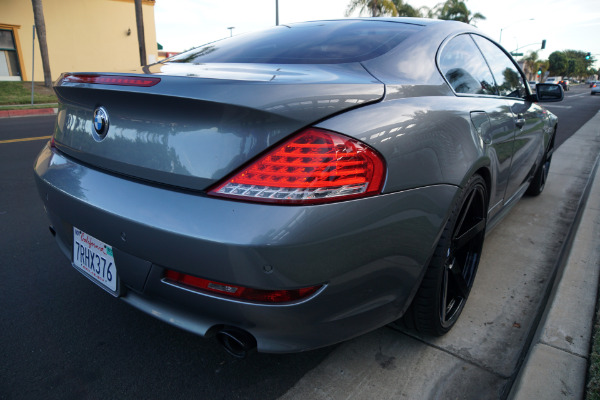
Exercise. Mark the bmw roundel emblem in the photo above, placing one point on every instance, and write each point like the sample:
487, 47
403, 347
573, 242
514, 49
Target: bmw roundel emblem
100, 122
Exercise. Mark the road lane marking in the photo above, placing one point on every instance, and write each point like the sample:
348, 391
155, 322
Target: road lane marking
25, 139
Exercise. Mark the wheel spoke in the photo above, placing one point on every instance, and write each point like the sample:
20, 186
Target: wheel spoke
444, 299
464, 212
459, 283
460, 241
545, 172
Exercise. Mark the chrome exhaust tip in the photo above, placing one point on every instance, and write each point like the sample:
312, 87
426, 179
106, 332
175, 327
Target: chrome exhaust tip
236, 342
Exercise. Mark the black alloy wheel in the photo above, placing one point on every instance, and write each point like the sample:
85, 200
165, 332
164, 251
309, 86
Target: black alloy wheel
538, 182
451, 273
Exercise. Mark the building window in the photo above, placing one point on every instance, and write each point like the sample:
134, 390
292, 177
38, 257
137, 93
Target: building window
9, 58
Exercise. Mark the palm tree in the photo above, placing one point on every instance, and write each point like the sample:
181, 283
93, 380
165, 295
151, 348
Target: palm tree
376, 8
406, 10
456, 10
40, 27
530, 63
139, 21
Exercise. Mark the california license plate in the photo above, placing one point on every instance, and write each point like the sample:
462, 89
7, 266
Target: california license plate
95, 259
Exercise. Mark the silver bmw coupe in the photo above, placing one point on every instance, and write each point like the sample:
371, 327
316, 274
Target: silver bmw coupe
296, 187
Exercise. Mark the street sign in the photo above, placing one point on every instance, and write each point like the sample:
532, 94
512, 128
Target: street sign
517, 54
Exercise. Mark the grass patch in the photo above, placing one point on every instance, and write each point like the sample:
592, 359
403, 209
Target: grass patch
593, 386
29, 107
14, 93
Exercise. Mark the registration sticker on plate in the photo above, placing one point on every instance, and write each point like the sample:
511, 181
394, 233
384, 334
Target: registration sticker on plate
95, 258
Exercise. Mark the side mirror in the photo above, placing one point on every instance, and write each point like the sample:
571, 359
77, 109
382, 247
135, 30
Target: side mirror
549, 92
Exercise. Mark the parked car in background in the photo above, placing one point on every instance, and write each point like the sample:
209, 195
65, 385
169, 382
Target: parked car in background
532, 84
553, 79
595, 88
292, 188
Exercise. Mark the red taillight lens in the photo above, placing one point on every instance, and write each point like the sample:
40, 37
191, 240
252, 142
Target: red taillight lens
111, 80
240, 292
314, 166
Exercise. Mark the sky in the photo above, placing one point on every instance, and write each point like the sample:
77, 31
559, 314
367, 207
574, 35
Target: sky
564, 24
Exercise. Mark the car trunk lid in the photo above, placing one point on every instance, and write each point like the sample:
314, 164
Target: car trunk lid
199, 123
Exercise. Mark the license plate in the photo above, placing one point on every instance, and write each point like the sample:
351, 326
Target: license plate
95, 259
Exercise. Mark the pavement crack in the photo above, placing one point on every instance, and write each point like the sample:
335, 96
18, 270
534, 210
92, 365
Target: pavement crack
455, 355
564, 350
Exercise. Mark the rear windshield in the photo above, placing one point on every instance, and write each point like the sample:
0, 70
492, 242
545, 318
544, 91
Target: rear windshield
323, 42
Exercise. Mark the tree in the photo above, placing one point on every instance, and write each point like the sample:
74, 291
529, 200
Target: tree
558, 63
456, 10
376, 8
40, 27
530, 64
139, 20
406, 10
578, 65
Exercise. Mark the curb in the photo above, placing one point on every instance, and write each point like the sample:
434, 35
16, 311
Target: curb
27, 113
557, 359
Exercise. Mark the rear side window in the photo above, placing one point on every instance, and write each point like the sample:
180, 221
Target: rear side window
324, 42
464, 67
508, 79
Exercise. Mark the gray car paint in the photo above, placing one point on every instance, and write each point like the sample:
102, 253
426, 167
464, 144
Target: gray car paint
374, 247
192, 130
203, 122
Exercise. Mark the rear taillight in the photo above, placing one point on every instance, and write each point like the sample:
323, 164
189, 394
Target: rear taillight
239, 292
111, 80
314, 166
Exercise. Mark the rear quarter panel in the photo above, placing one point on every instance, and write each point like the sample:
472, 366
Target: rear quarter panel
424, 140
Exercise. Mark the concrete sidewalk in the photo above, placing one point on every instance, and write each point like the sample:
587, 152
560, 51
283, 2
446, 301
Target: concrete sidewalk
557, 362
516, 311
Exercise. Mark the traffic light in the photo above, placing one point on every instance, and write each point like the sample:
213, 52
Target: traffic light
543, 44
539, 71
588, 55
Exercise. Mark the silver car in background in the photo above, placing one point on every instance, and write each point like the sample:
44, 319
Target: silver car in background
296, 187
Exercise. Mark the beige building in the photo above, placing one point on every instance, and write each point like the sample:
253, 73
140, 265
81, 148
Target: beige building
82, 35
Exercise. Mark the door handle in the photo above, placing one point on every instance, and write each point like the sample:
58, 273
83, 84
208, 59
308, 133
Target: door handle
520, 121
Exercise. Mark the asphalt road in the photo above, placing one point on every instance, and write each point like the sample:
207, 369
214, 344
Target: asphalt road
574, 111
62, 337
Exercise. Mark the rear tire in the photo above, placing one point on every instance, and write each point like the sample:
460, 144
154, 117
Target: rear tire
451, 272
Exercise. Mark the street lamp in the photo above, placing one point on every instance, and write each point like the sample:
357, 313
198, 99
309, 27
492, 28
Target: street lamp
508, 26
231, 28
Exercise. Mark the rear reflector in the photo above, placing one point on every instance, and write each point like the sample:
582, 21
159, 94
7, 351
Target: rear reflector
111, 80
314, 166
240, 292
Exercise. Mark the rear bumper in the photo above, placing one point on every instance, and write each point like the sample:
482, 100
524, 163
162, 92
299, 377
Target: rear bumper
369, 254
